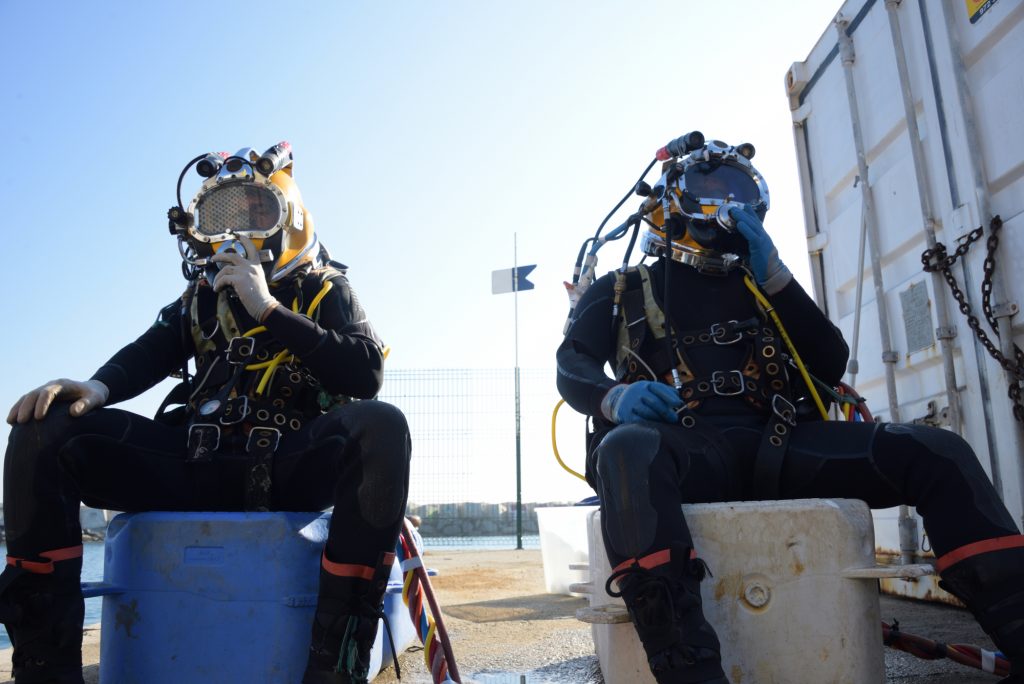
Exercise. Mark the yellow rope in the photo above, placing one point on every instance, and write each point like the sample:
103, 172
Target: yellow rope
789, 344
554, 441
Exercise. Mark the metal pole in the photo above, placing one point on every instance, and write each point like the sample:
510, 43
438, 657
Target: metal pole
946, 331
519, 461
909, 543
889, 356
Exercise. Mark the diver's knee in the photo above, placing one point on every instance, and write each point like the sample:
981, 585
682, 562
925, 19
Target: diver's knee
381, 416
31, 439
944, 447
626, 448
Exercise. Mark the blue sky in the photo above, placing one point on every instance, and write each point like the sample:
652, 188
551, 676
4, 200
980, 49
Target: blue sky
425, 135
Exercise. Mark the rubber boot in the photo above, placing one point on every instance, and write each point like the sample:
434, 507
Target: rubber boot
988, 576
43, 612
662, 594
345, 625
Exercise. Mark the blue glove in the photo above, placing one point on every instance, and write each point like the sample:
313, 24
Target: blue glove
640, 401
769, 271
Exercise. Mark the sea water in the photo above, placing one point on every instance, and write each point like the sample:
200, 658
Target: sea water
92, 571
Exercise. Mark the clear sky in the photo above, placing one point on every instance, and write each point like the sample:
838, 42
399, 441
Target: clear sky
426, 135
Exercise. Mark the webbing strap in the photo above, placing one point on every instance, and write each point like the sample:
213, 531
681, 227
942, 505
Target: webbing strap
651, 560
1012, 541
353, 569
46, 567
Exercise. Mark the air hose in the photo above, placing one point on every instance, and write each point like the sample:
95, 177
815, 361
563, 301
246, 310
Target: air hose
554, 442
437, 649
972, 656
763, 301
271, 365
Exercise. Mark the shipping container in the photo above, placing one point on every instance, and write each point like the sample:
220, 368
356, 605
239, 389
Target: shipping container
908, 125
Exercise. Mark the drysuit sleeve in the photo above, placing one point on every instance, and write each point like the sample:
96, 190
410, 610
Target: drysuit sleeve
152, 357
819, 342
588, 345
340, 347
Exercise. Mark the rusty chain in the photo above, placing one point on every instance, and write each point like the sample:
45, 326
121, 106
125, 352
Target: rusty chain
937, 259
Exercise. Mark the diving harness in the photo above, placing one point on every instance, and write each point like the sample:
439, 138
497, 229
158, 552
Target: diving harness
685, 218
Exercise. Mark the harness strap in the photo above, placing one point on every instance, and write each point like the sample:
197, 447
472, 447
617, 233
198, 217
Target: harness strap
261, 446
772, 450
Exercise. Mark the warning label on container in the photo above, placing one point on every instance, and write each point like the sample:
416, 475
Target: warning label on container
917, 317
976, 8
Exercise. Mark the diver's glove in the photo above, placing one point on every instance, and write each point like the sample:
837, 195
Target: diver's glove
642, 400
86, 396
769, 271
245, 276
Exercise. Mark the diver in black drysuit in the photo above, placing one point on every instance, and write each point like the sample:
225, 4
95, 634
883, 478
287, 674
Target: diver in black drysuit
334, 450
644, 462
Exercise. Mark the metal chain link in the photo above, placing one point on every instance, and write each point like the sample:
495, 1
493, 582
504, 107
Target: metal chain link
937, 259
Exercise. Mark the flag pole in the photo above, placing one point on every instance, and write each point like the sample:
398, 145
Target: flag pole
519, 469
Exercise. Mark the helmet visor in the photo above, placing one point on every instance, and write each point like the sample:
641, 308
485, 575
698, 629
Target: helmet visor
245, 208
711, 182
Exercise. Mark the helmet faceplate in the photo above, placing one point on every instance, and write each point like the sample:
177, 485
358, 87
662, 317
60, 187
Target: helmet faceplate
238, 199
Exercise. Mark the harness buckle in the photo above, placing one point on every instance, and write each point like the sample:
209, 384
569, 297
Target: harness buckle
719, 331
240, 350
263, 440
784, 409
734, 378
203, 440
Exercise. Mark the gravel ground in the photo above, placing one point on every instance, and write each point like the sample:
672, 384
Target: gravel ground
506, 630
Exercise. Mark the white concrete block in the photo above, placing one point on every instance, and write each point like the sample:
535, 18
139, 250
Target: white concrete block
783, 596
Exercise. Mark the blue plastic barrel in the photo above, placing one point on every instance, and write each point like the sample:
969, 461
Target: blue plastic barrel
218, 597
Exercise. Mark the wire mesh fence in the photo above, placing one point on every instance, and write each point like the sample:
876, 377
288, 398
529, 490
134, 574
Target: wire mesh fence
463, 482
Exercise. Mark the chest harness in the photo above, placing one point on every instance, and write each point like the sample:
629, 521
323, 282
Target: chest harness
248, 385
762, 382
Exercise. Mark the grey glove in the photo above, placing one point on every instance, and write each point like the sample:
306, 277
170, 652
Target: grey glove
90, 394
245, 276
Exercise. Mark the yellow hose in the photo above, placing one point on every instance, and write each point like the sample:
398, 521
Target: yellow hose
789, 344
554, 441
273, 363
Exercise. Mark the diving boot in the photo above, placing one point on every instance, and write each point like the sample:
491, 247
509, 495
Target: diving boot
662, 594
43, 611
345, 625
988, 576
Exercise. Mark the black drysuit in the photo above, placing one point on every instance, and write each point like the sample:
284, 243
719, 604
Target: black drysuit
354, 456
643, 471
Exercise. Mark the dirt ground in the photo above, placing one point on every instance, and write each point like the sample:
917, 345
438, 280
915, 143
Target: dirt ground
506, 630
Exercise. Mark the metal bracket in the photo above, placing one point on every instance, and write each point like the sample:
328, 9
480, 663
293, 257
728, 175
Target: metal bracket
912, 571
945, 332
890, 357
1005, 309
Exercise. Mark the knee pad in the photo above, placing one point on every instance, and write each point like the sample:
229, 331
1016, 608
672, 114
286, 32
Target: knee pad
624, 460
951, 458
384, 450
